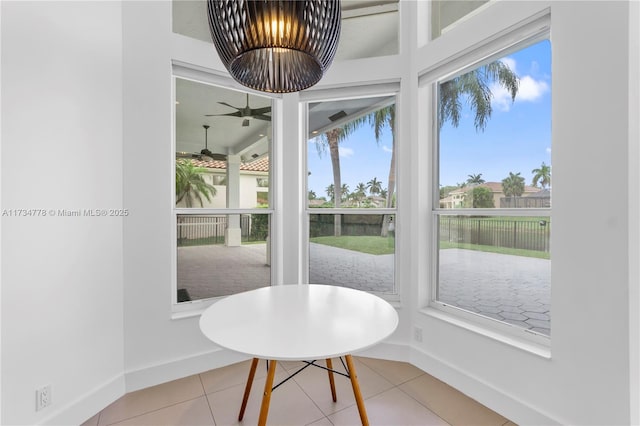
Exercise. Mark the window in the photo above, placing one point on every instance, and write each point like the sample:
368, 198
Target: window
351, 193
222, 205
493, 219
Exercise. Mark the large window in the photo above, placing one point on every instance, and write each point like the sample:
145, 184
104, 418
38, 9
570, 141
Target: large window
222, 204
493, 218
352, 193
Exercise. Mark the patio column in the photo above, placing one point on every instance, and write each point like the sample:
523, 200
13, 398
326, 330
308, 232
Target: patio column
233, 233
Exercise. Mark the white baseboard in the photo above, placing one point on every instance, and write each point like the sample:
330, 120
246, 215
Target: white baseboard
179, 368
91, 403
512, 408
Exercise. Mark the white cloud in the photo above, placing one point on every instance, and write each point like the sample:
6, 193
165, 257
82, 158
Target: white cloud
345, 152
530, 90
548, 150
386, 148
510, 62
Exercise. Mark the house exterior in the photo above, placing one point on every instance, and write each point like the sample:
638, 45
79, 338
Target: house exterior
456, 198
253, 183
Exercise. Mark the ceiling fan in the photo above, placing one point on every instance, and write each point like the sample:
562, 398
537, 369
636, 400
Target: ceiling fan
204, 152
247, 113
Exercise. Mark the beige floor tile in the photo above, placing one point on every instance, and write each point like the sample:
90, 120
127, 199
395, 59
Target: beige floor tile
322, 422
315, 382
195, 412
390, 408
394, 371
450, 404
153, 398
231, 375
289, 405
93, 421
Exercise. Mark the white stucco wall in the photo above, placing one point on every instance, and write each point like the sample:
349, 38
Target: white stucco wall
62, 282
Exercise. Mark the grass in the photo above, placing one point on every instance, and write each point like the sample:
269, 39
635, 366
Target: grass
379, 245
496, 249
364, 244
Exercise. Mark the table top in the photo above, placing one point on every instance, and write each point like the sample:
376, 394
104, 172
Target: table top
299, 322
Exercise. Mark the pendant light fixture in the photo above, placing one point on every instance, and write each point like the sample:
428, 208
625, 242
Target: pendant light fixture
276, 46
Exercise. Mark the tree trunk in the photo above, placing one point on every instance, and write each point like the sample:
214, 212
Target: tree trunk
391, 185
332, 137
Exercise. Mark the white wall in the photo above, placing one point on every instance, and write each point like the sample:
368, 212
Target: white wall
62, 287
157, 348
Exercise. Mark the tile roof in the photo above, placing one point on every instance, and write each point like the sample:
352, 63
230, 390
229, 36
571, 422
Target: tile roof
259, 165
493, 186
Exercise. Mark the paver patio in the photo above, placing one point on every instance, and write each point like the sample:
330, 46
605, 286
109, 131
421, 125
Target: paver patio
514, 289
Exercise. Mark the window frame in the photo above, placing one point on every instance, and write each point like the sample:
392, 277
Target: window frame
208, 77
536, 29
332, 95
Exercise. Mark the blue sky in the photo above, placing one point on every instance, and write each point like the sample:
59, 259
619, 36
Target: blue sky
517, 137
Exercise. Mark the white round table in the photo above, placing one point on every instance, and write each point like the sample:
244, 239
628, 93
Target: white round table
302, 323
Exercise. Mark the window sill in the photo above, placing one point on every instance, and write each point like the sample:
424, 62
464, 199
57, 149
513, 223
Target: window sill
536, 345
190, 309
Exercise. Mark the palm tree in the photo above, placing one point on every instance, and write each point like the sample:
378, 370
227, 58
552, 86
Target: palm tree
379, 119
332, 139
542, 175
475, 179
360, 192
344, 192
312, 195
374, 186
513, 185
330, 193
475, 86
190, 184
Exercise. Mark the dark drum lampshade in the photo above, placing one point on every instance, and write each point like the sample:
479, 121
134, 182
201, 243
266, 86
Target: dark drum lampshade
275, 45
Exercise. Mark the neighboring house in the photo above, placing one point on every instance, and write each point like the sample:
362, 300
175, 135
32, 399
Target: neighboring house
253, 183
455, 199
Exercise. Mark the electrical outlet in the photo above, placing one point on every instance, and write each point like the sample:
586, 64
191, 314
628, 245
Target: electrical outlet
43, 397
417, 334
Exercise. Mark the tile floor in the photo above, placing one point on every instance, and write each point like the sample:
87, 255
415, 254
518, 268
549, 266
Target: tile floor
395, 393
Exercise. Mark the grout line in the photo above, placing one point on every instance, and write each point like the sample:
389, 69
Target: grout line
204, 392
157, 409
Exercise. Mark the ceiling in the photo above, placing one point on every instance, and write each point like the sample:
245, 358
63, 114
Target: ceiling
369, 28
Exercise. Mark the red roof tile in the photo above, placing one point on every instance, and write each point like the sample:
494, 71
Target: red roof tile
259, 165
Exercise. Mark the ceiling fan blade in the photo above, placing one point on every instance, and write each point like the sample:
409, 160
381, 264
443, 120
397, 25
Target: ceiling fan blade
231, 114
188, 155
226, 104
259, 111
216, 157
262, 117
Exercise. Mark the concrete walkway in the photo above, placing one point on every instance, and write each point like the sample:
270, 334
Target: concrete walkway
513, 289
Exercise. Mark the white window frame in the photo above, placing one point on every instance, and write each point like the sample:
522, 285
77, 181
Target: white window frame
535, 29
338, 94
206, 76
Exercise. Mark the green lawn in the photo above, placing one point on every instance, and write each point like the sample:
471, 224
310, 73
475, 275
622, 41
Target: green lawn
379, 245
364, 244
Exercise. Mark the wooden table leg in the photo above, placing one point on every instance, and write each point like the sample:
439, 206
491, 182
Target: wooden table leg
356, 391
266, 397
247, 388
331, 382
